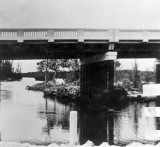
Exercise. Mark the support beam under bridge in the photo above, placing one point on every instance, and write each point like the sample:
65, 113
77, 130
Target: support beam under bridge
97, 76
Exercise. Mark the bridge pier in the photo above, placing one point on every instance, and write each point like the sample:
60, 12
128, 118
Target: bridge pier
0, 77
97, 76
158, 71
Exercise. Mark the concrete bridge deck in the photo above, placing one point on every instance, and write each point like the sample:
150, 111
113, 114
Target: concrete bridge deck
77, 43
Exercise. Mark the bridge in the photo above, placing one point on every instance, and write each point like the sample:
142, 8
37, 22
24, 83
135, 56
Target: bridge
96, 48
77, 43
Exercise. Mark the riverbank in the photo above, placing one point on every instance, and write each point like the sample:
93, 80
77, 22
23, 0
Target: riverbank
38, 86
60, 89
12, 77
87, 144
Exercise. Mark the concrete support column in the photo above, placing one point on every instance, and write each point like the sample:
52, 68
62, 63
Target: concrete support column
158, 71
97, 75
0, 79
0, 68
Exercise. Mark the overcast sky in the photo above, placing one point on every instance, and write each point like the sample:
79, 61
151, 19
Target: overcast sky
80, 13
128, 14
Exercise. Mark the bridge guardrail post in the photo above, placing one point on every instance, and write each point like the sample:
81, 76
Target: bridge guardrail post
20, 35
50, 35
145, 36
80, 35
111, 37
114, 35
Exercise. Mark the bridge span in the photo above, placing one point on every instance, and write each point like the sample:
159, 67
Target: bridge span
96, 48
77, 43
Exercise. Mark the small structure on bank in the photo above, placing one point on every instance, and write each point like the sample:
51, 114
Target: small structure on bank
151, 90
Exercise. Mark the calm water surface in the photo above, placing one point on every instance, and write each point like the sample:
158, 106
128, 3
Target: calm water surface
26, 116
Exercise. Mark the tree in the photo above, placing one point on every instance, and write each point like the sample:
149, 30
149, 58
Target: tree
126, 83
135, 75
117, 64
54, 65
7, 71
7, 68
117, 73
43, 66
74, 75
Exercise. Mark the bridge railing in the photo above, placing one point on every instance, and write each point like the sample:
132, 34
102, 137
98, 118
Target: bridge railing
81, 35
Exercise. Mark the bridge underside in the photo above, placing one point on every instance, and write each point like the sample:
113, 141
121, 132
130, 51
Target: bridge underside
60, 49
97, 77
43, 50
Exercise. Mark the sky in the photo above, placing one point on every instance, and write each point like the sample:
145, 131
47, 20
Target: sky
80, 14
121, 14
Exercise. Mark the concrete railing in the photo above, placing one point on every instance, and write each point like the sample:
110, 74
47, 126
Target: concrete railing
81, 35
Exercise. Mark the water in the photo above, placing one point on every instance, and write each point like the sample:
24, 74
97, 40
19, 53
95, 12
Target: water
26, 116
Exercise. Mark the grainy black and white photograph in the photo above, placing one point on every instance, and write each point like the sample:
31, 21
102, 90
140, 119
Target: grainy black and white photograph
79, 73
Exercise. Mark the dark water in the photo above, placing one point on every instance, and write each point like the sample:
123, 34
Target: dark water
26, 116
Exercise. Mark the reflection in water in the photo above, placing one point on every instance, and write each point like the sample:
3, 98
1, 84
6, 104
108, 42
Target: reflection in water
0, 88
56, 116
110, 124
119, 127
93, 126
6, 94
26, 116
157, 119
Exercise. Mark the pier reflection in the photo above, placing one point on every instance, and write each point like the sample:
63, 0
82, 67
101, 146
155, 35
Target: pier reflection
96, 126
157, 119
97, 119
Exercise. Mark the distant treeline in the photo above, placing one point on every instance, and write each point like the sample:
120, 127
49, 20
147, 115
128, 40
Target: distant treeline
147, 76
131, 79
40, 76
132, 75
7, 71
11, 77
